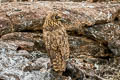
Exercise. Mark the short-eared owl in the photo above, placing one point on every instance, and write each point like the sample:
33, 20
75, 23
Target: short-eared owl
56, 41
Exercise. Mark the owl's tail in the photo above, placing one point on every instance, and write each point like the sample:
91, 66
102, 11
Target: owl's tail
58, 64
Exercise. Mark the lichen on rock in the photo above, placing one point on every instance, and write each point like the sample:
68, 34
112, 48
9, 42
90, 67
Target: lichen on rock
93, 34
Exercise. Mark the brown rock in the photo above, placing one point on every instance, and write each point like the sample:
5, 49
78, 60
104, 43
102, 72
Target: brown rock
24, 36
25, 40
106, 34
81, 70
5, 23
114, 46
30, 17
119, 17
79, 46
23, 45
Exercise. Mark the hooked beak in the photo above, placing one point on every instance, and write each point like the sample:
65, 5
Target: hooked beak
62, 20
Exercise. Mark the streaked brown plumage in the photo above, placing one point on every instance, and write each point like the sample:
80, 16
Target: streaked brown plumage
56, 41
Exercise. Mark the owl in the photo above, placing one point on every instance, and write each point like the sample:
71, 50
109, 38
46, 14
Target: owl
56, 41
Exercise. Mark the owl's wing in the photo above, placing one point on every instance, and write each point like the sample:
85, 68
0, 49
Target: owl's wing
57, 57
61, 50
57, 48
46, 39
64, 44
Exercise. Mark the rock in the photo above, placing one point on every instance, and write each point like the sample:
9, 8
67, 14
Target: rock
22, 53
20, 38
18, 45
106, 34
94, 37
12, 66
30, 17
74, 72
25, 40
3, 1
103, 32
89, 71
8, 45
78, 45
38, 64
5, 23
82, 49
114, 46
81, 46
119, 17
23, 36
80, 70
23, 45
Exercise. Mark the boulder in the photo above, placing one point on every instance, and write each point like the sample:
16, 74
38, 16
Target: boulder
79, 46
107, 34
16, 17
94, 38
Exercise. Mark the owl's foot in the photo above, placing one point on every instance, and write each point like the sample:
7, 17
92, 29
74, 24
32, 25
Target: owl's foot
56, 73
59, 76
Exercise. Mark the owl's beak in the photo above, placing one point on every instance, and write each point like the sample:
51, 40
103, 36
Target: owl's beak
62, 20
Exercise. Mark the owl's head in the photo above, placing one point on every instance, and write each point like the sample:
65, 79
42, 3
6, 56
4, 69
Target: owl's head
54, 16
53, 21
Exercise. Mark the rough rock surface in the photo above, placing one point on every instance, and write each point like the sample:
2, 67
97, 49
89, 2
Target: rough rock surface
107, 34
78, 45
29, 40
13, 64
30, 17
94, 38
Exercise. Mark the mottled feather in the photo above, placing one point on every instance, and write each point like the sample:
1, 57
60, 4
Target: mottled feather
56, 41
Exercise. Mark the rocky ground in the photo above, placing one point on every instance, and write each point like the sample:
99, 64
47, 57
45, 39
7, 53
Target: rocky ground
94, 37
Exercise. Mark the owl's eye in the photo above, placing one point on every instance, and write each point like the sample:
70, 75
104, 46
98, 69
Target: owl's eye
57, 17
